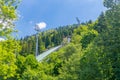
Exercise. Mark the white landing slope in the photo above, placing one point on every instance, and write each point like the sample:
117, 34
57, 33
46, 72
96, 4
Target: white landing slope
44, 54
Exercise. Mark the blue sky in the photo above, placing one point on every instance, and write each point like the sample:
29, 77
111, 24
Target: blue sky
55, 13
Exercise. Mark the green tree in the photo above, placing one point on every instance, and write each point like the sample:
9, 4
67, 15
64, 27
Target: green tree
7, 16
111, 3
7, 64
113, 12
84, 35
10, 48
102, 25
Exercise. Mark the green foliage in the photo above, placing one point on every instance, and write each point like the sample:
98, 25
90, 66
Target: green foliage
84, 35
8, 48
102, 24
111, 3
31, 61
7, 16
100, 59
30, 69
7, 64
8, 52
46, 39
30, 74
70, 67
112, 14
56, 60
26, 65
93, 54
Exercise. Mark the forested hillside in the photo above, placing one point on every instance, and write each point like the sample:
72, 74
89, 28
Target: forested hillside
46, 39
92, 54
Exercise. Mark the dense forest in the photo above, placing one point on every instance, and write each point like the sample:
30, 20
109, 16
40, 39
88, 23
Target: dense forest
46, 39
92, 54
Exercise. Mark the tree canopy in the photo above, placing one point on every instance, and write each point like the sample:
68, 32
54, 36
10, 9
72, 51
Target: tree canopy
92, 54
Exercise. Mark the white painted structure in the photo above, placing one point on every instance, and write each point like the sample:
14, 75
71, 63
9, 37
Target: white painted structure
46, 53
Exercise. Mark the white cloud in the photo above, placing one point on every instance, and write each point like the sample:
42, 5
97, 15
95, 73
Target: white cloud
40, 26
